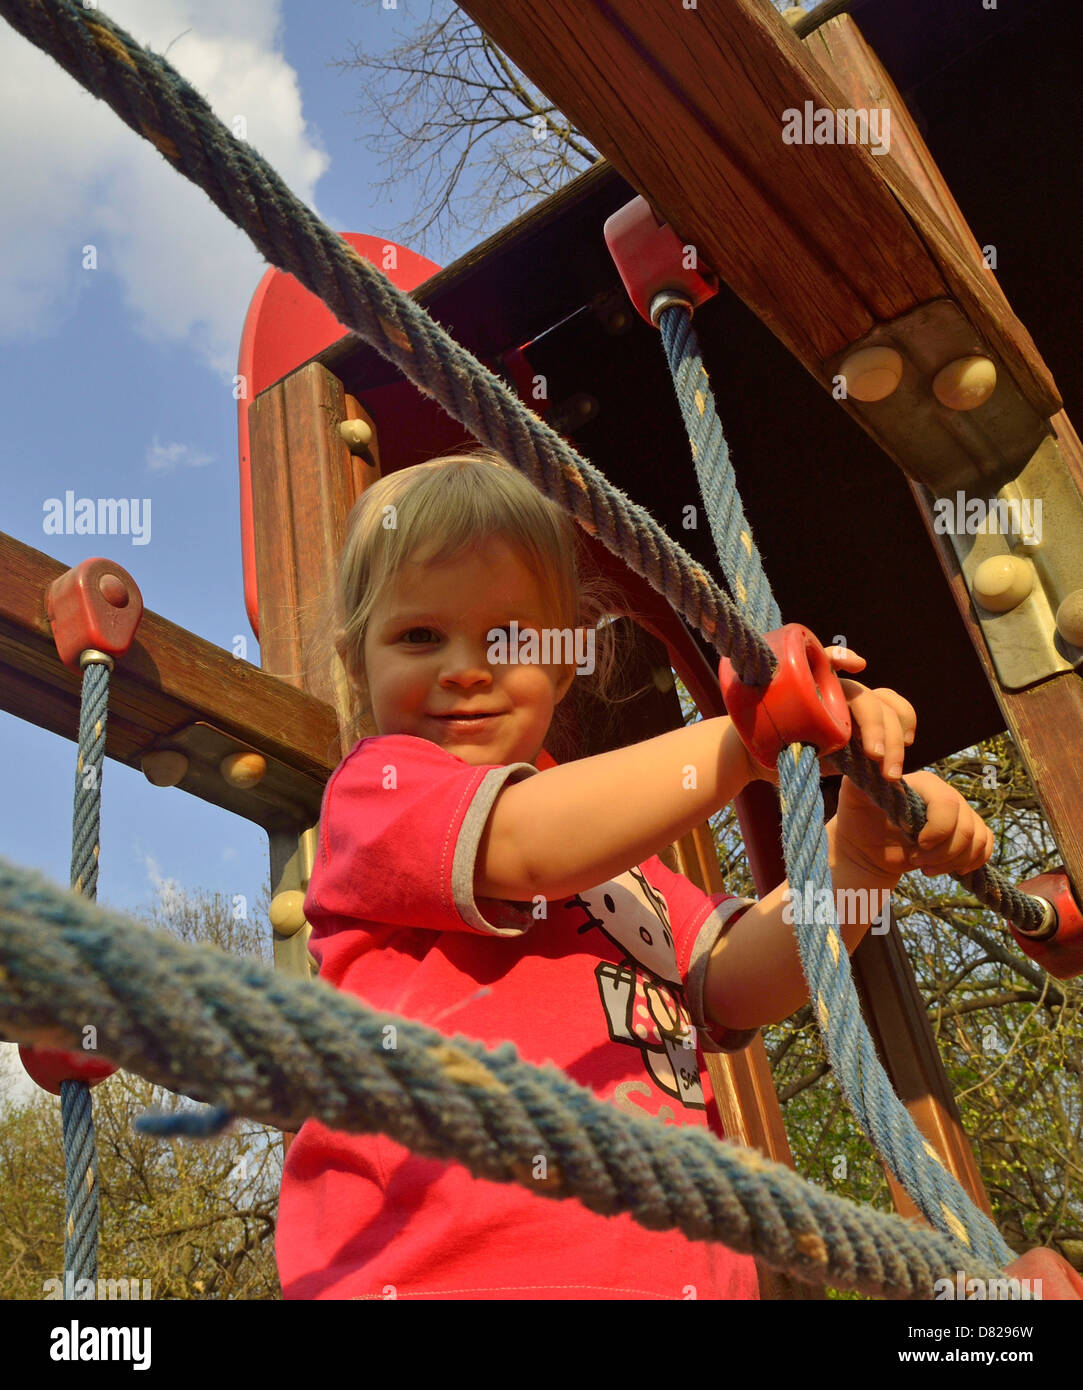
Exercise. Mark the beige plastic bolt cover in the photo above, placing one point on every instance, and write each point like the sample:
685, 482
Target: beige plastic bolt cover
243, 769
288, 912
872, 374
355, 434
164, 768
1003, 582
965, 384
1070, 618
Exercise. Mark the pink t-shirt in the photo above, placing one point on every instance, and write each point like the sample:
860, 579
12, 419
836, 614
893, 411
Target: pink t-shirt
607, 986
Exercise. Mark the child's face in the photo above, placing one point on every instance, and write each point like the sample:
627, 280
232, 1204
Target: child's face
426, 656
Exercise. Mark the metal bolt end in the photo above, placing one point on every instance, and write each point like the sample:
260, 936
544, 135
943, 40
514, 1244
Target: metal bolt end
1070, 618
873, 373
1047, 927
668, 299
93, 657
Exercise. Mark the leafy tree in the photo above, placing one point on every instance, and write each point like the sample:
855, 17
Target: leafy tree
178, 1219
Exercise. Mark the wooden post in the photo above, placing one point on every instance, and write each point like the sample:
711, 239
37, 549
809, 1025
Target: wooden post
304, 482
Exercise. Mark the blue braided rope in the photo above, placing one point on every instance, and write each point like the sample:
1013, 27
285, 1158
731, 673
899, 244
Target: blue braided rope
77, 1116
850, 1049
233, 1033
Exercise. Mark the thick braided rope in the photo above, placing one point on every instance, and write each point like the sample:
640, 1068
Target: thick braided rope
76, 1109
235, 1034
850, 1049
152, 98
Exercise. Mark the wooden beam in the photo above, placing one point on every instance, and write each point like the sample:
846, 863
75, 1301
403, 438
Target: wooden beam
169, 682
821, 241
1046, 720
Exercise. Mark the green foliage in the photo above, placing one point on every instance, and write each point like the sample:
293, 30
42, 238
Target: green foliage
194, 1220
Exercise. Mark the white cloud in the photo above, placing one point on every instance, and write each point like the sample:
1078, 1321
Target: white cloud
171, 896
164, 458
74, 175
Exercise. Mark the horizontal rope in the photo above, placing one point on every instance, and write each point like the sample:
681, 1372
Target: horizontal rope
234, 1034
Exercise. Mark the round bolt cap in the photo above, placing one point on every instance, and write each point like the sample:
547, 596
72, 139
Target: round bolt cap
288, 912
1070, 618
243, 769
965, 384
165, 768
872, 374
1003, 582
355, 434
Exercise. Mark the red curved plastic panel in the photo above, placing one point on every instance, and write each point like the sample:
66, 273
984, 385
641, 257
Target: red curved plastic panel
285, 327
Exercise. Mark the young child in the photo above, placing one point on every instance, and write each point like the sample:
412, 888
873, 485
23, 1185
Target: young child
459, 885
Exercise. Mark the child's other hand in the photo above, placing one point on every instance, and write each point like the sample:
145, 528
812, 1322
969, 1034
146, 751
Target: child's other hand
955, 838
885, 721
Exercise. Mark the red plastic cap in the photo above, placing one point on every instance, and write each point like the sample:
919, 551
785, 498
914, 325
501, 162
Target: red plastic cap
49, 1067
651, 258
96, 604
1062, 953
1060, 1282
804, 702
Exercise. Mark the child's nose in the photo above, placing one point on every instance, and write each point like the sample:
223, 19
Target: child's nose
466, 664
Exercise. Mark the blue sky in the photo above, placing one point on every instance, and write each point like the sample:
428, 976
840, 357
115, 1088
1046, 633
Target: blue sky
117, 381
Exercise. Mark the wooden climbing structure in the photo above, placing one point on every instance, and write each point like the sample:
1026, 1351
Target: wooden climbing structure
823, 250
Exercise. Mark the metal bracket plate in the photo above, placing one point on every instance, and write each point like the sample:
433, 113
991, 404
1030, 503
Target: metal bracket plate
1024, 643
976, 450
979, 469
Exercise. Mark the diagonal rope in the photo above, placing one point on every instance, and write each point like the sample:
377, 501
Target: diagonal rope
826, 962
233, 1033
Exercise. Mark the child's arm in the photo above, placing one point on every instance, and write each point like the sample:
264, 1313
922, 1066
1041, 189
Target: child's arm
754, 976
575, 826
572, 827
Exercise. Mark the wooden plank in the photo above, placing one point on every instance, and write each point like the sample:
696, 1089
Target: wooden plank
821, 241
1046, 721
168, 681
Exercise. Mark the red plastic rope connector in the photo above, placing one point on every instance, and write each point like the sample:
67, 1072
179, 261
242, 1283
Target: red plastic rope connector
49, 1066
804, 702
97, 605
651, 258
1057, 945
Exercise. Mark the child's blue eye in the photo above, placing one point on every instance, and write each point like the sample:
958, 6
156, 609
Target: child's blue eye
429, 634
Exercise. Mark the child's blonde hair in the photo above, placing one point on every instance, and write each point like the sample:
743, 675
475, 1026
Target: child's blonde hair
430, 512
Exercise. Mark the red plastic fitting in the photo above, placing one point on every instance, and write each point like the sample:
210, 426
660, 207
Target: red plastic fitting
804, 702
1060, 950
95, 605
49, 1066
650, 257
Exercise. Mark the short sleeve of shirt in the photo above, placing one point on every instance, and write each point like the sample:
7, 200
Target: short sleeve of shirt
698, 921
399, 833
